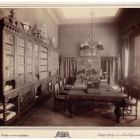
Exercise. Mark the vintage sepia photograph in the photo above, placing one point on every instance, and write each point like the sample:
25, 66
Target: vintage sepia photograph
70, 66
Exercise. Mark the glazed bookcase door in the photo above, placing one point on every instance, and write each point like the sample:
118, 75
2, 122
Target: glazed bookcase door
43, 62
54, 62
9, 60
20, 61
36, 64
29, 62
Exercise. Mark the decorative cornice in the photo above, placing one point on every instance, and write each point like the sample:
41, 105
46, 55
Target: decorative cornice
79, 21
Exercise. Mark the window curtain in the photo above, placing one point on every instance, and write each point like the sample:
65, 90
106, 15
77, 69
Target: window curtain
110, 67
68, 67
126, 58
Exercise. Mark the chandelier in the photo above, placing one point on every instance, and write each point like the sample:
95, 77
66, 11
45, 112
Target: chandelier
91, 47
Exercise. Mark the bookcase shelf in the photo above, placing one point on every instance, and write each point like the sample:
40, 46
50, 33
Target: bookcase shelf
8, 109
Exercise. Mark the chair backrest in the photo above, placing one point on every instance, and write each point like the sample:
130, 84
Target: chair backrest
50, 86
135, 92
57, 79
38, 90
64, 81
56, 88
127, 88
61, 86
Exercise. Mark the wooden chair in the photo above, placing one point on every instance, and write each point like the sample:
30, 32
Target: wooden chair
59, 99
131, 102
38, 92
63, 91
121, 85
50, 86
66, 86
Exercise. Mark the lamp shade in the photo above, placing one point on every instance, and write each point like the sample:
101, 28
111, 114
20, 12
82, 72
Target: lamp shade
84, 46
100, 46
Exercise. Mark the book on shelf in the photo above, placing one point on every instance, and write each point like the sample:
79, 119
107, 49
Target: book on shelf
8, 105
36, 96
9, 115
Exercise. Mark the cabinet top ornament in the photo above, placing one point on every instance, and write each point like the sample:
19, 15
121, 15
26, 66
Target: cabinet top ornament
12, 13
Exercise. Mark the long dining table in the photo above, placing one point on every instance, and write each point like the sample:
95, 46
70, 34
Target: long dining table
105, 93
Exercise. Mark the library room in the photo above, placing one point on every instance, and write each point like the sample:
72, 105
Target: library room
70, 66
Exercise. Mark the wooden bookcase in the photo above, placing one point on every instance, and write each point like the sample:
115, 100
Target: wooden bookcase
26, 61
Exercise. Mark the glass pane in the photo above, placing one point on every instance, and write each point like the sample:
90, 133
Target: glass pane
43, 55
9, 71
9, 57
21, 79
43, 68
29, 68
29, 61
29, 49
20, 60
9, 49
43, 62
9, 38
43, 49
20, 51
29, 77
43, 75
9, 61
20, 42
36, 51
36, 69
20, 69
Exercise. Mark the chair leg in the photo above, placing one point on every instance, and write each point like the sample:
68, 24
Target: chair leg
54, 106
65, 106
136, 110
123, 112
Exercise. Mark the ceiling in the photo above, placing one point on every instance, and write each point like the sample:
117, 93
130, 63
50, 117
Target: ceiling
83, 15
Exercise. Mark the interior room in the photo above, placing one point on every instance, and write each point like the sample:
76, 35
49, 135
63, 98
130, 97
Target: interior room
70, 66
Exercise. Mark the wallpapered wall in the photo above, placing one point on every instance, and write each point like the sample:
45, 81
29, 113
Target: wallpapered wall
72, 34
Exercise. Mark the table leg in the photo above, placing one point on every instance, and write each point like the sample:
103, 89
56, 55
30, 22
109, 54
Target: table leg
118, 114
70, 108
117, 111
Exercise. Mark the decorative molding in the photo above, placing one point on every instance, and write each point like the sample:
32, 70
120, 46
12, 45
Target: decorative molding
97, 20
58, 13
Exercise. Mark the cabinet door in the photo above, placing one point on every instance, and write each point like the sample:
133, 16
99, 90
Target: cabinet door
20, 61
54, 62
9, 60
23, 102
43, 62
36, 64
29, 62
9, 55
